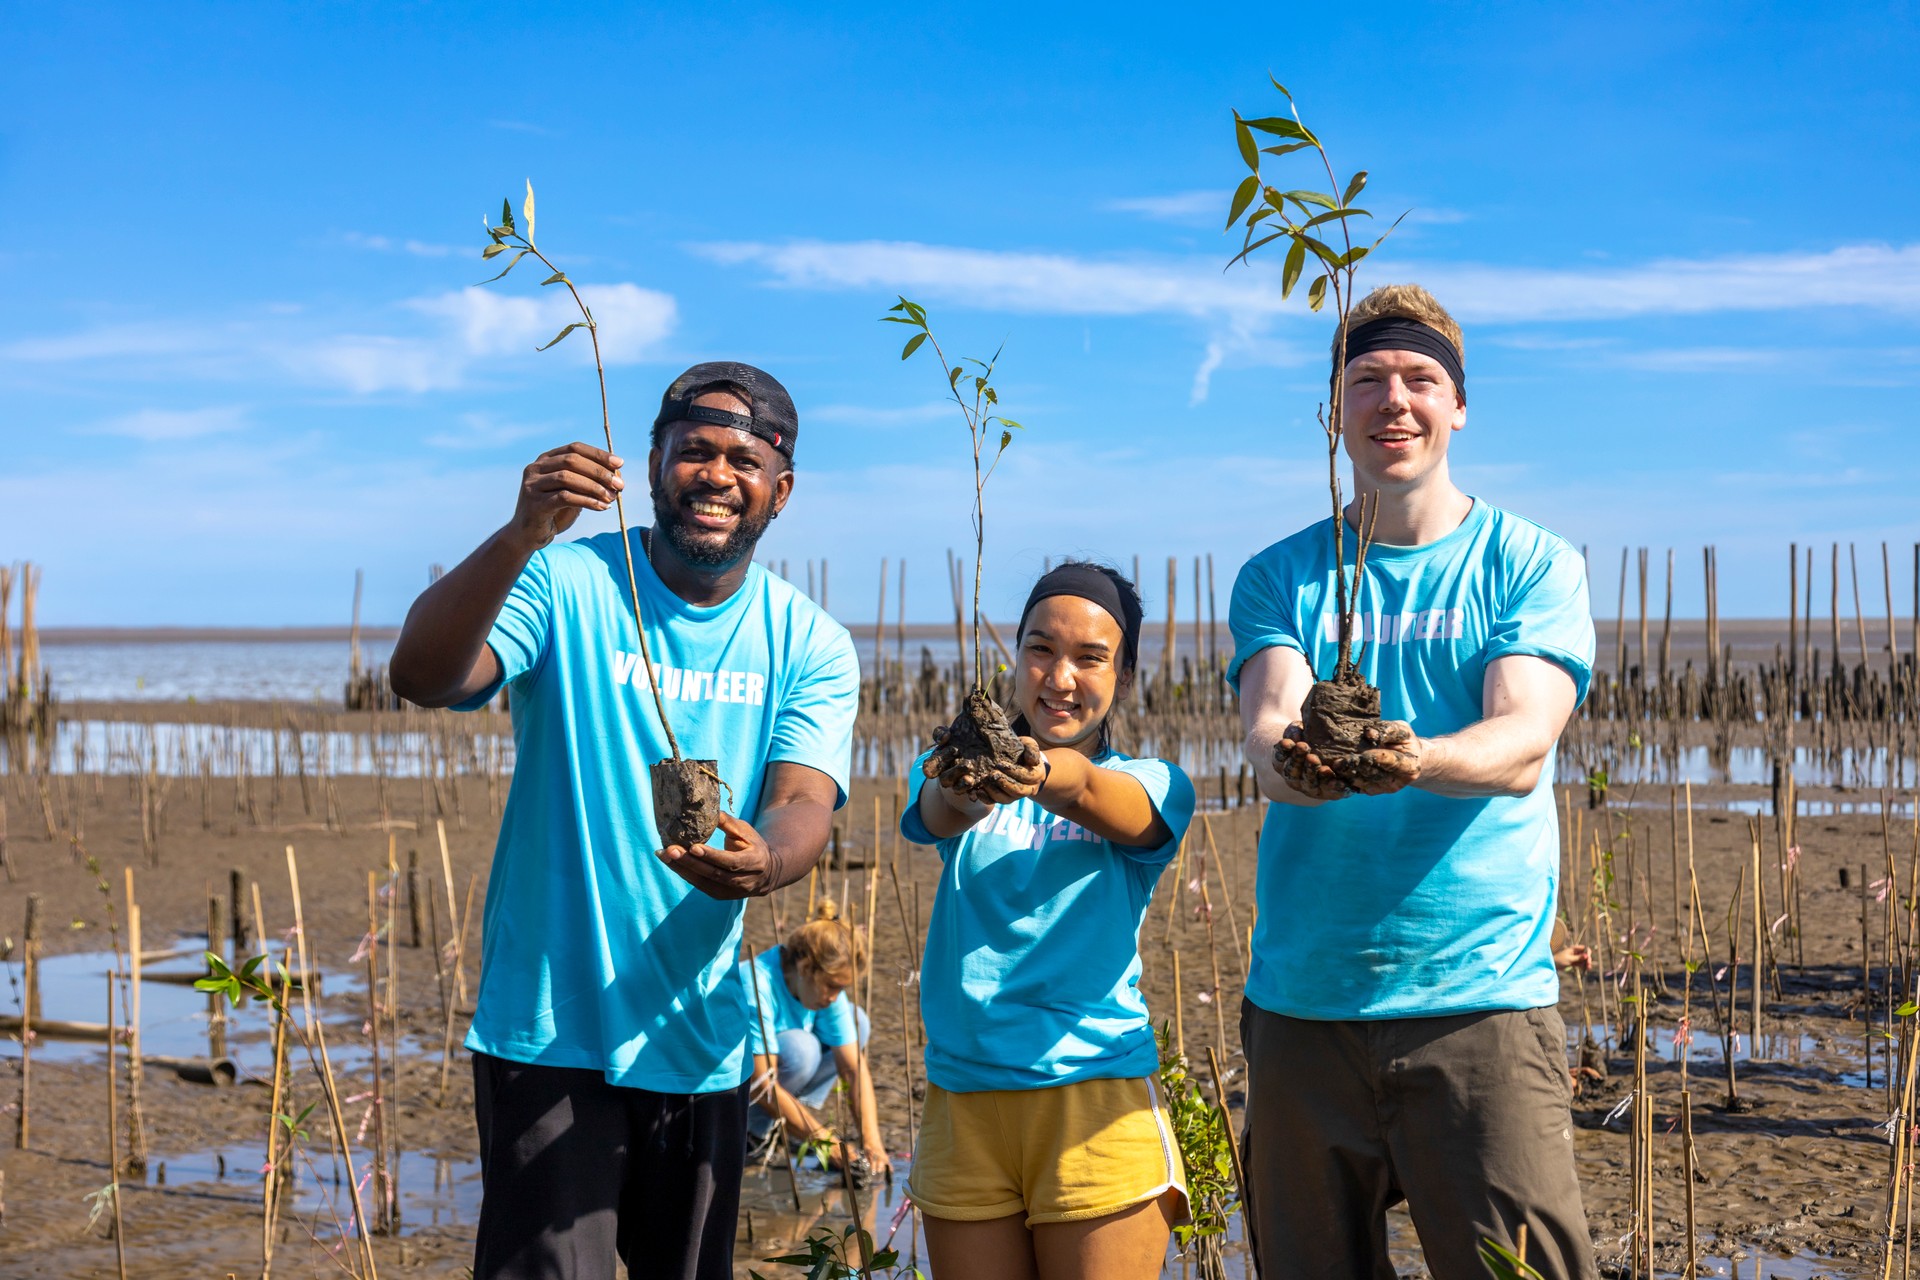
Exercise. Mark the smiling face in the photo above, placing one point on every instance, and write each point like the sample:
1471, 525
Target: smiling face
1069, 673
716, 488
1399, 410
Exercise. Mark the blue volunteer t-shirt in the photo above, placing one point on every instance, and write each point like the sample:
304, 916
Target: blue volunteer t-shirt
1032, 966
781, 1011
595, 954
1420, 904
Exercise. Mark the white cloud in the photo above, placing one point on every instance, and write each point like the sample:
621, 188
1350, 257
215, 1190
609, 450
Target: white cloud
451, 334
1880, 277
481, 431
160, 425
1185, 206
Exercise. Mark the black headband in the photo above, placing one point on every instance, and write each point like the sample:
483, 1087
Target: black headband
1090, 582
1398, 333
688, 411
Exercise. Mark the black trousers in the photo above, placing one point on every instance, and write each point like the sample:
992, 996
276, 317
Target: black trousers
575, 1172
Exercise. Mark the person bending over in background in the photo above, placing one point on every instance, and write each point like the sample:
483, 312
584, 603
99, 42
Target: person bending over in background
797, 991
1401, 1026
1044, 1153
609, 1038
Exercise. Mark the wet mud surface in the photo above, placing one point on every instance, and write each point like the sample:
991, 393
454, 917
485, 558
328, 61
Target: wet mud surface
1798, 1181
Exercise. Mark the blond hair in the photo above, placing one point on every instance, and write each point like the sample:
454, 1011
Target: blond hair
1408, 302
827, 946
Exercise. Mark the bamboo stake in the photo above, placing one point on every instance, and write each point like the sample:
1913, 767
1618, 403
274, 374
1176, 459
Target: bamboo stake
113, 1144
29, 1009
454, 929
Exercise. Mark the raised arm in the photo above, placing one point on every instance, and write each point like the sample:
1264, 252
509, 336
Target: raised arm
1273, 684
442, 656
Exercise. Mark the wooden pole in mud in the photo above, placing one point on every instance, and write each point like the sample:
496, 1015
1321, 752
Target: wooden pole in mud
900, 619
1666, 623
1859, 615
880, 625
1893, 641
1620, 626
29, 1010
113, 1143
1643, 616
1172, 640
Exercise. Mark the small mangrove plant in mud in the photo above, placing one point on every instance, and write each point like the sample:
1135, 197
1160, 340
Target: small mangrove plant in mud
980, 741
686, 793
1206, 1150
1340, 718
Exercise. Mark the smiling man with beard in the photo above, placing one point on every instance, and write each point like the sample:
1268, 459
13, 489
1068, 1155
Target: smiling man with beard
609, 1034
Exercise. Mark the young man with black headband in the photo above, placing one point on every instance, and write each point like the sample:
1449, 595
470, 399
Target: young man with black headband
609, 1033
1402, 1035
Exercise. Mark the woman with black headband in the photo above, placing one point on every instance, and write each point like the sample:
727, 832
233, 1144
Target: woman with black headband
1044, 1152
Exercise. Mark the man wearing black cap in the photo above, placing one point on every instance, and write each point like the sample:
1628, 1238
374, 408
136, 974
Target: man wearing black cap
608, 1035
1400, 1023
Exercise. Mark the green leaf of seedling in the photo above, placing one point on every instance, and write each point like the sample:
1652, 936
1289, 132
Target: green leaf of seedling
1244, 136
979, 385
506, 216
1009, 422
1282, 88
1304, 198
1282, 127
913, 345
902, 320
1907, 1010
1285, 148
1269, 239
1354, 187
993, 397
1006, 438
1335, 215
1505, 1264
1290, 273
558, 277
577, 324
914, 309
1353, 255
1243, 196
953, 376
1321, 251
527, 209
511, 264
1317, 293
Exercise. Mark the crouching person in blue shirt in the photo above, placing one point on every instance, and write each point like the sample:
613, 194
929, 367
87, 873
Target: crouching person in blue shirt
609, 1038
799, 1005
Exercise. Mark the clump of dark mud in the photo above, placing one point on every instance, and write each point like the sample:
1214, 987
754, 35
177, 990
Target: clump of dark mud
686, 801
1340, 720
980, 743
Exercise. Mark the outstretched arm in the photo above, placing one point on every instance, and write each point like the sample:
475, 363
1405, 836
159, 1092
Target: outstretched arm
442, 656
1525, 702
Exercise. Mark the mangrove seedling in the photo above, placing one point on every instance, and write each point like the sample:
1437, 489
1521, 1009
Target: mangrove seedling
980, 741
1340, 718
686, 793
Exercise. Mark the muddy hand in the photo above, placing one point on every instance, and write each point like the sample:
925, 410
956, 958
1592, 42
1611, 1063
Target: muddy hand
943, 756
1018, 781
1304, 771
745, 868
1389, 762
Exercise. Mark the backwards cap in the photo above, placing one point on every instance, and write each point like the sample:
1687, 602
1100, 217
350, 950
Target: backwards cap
773, 418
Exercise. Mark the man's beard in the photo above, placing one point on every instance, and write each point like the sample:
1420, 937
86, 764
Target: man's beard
696, 547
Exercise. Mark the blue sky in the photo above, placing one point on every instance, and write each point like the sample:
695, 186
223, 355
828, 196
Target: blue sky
242, 354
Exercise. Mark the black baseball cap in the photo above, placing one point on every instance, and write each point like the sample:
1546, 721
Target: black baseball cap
773, 418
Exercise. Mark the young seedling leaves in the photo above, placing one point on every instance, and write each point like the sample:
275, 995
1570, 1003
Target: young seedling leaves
577, 324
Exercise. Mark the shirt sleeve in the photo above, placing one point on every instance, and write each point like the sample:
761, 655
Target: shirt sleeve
1260, 615
912, 827
1547, 615
522, 633
814, 725
1170, 792
834, 1024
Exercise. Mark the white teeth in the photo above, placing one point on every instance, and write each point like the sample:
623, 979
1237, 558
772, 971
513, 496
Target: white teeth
711, 509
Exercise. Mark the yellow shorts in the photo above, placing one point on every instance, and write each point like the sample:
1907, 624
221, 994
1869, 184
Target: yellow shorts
1059, 1154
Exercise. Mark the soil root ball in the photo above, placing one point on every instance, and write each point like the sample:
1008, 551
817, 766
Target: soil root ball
981, 741
686, 801
1335, 717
